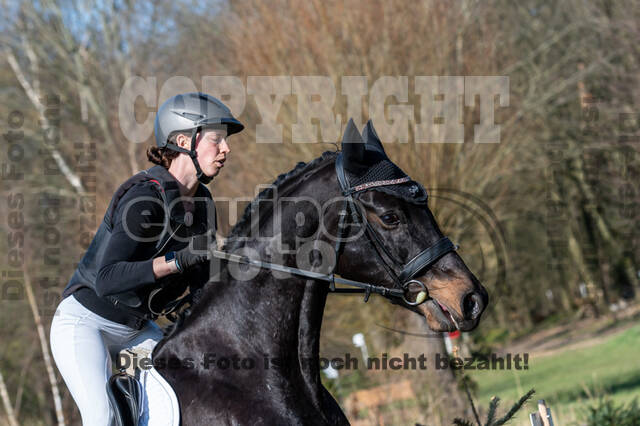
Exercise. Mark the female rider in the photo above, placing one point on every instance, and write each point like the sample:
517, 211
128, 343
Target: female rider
149, 248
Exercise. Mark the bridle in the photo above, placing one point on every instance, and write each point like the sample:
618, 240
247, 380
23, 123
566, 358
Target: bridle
423, 260
402, 281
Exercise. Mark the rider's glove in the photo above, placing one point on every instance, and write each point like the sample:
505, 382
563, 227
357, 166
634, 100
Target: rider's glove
194, 253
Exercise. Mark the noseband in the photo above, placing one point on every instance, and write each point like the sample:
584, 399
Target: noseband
423, 260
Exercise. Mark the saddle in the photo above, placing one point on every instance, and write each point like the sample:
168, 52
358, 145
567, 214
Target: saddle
126, 397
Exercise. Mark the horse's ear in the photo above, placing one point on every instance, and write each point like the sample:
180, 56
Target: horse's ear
353, 148
371, 139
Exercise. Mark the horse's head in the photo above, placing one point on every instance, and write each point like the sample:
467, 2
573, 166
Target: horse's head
401, 227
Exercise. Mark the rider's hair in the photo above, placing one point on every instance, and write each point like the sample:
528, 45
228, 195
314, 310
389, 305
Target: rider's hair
164, 156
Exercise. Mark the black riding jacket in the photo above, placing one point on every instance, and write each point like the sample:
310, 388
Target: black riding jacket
115, 276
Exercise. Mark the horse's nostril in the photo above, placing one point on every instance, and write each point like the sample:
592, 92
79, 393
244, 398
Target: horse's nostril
472, 306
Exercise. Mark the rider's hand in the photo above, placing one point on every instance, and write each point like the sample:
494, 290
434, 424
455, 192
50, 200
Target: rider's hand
194, 253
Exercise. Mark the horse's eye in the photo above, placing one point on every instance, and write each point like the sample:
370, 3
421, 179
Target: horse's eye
390, 219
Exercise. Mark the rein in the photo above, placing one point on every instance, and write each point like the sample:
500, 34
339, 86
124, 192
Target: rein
360, 287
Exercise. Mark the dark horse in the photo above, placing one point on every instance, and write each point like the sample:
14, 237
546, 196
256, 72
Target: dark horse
269, 325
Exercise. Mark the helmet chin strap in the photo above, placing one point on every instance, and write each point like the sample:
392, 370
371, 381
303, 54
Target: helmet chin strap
202, 177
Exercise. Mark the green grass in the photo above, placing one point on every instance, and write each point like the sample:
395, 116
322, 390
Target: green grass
571, 379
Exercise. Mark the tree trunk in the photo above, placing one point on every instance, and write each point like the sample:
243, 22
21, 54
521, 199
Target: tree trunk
44, 344
6, 402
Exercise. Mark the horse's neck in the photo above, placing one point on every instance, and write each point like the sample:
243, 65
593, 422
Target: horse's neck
267, 318
286, 310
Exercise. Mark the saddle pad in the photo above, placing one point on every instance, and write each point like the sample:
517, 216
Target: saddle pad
160, 402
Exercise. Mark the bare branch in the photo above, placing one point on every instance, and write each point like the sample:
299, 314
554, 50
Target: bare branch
34, 97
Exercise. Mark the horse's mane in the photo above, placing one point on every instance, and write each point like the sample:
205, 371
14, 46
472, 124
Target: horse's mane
283, 179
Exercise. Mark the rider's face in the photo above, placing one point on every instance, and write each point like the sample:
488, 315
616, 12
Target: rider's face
212, 149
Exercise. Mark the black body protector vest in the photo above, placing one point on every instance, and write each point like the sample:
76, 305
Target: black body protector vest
87, 270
